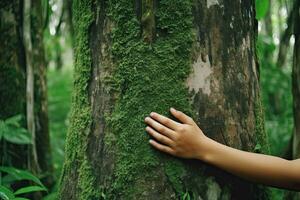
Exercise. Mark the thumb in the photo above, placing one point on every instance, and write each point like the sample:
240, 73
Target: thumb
181, 116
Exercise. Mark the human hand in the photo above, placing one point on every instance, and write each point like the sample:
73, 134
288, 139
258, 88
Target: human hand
184, 139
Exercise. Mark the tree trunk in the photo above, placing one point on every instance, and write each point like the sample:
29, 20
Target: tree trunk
13, 71
296, 93
134, 58
40, 96
12, 77
296, 83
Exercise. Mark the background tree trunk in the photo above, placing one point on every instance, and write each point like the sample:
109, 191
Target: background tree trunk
296, 83
134, 58
12, 77
13, 85
40, 96
296, 93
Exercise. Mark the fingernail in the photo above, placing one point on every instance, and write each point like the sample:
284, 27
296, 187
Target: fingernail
152, 114
172, 109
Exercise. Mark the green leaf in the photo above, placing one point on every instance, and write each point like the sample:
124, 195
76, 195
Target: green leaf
3, 128
53, 196
21, 175
14, 120
8, 179
261, 7
257, 147
17, 136
20, 198
6, 193
29, 189
11, 131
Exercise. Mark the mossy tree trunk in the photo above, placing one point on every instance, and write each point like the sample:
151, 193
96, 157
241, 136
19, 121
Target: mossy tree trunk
13, 85
134, 57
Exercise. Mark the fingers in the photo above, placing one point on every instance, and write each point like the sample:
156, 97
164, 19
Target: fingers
164, 120
160, 128
159, 137
161, 147
181, 116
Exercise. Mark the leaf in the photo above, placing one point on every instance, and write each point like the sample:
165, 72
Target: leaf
20, 198
6, 193
3, 128
14, 120
17, 136
53, 196
8, 179
11, 131
29, 189
261, 7
257, 147
21, 175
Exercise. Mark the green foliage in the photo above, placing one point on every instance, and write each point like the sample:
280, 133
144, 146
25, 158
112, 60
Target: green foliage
12, 131
59, 98
276, 95
257, 147
6, 193
14, 175
29, 189
187, 196
261, 7
59, 92
18, 175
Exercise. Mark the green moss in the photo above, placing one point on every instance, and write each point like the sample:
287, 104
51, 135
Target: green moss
262, 144
175, 171
149, 77
87, 182
80, 109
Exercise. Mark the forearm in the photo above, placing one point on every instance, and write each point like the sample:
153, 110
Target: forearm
260, 168
187, 140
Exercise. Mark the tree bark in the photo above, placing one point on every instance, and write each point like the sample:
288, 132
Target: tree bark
13, 71
201, 60
296, 83
12, 77
285, 38
40, 95
295, 146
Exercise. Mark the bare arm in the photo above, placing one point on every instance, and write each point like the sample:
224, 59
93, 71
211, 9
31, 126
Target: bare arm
186, 140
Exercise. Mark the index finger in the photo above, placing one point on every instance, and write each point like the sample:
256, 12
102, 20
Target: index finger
165, 120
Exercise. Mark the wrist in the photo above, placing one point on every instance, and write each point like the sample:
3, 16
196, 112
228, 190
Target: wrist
205, 150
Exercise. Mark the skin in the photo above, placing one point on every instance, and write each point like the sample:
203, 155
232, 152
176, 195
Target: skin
186, 140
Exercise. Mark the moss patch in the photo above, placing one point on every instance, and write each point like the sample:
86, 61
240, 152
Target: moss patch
76, 160
149, 77
262, 144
